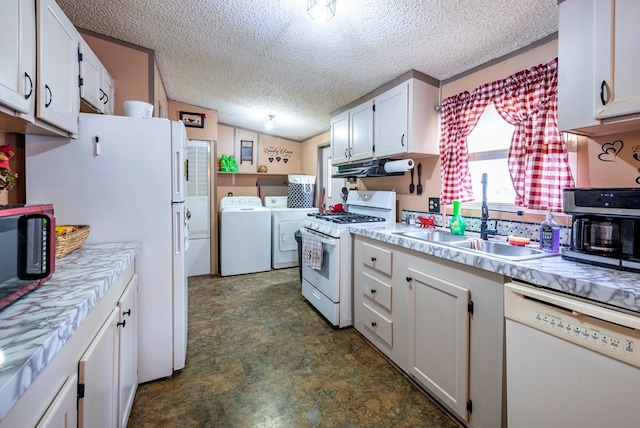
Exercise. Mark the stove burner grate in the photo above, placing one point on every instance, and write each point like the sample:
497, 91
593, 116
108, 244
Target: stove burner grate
343, 218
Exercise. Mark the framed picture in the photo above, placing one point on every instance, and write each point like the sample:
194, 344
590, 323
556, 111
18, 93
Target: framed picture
246, 151
193, 120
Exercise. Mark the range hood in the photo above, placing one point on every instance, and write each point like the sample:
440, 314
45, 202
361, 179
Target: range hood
370, 168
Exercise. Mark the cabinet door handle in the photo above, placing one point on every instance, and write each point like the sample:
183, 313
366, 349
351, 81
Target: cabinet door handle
102, 95
373, 324
408, 279
47, 89
346, 153
603, 86
402, 140
128, 312
106, 98
123, 323
373, 259
373, 291
28, 94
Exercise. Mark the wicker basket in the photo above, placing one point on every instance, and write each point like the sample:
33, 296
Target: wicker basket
71, 241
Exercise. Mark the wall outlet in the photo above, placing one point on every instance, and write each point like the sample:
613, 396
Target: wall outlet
434, 205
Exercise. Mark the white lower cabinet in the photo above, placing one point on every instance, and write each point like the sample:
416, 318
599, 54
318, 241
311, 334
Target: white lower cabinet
63, 411
108, 370
128, 351
98, 378
92, 380
439, 321
439, 338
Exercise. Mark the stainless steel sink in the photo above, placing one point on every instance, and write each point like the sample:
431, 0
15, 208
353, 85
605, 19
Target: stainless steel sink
506, 251
435, 236
496, 249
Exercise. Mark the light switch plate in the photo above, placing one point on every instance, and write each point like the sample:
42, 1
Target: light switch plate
434, 205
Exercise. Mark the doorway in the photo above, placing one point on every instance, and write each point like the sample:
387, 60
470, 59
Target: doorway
331, 187
198, 205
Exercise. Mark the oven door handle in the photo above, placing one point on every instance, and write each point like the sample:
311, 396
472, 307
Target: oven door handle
324, 239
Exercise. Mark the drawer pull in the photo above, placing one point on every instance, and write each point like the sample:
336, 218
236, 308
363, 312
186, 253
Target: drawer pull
123, 323
373, 259
373, 291
373, 324
408, 279
128, 312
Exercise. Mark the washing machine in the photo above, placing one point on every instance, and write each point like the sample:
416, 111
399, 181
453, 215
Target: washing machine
245, 235
285, 222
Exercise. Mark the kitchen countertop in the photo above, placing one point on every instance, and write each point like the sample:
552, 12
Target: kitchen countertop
604, 285
34, 328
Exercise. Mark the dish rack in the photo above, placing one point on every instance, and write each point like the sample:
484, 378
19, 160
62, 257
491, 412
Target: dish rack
70, 238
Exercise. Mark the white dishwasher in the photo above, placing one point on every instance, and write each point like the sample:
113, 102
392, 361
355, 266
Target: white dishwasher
569, 363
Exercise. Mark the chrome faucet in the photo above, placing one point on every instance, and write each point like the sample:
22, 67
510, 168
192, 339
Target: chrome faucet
484, 232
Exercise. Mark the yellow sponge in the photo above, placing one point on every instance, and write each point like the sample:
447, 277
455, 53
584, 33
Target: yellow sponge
518, 241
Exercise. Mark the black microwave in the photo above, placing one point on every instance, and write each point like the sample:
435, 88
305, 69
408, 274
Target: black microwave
27, 249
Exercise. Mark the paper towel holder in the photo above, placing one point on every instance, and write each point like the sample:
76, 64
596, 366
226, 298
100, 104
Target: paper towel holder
369, 168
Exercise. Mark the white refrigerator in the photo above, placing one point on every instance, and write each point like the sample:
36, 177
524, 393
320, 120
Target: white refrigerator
125, 177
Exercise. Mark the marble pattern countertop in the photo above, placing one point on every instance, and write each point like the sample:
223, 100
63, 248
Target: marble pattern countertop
34, 328
604, 285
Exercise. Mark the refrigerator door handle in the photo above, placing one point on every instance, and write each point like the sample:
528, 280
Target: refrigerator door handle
179, 174
178, 228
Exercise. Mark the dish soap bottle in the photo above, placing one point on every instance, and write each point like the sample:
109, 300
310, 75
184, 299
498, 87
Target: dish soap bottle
550, 235
457, 224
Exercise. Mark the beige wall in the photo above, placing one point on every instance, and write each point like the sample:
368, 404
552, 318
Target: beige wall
266, 150
210, 130
309, 161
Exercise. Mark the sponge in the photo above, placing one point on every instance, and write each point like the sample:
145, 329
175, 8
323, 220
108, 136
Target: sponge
518, 241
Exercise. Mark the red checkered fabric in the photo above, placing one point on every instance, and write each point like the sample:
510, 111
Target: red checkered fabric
537, 159
460, 114
537, 155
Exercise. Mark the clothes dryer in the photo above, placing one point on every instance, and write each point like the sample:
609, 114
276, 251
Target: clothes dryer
285, 222
245, 235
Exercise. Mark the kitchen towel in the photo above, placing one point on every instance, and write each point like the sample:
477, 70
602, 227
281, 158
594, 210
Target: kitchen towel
312, 251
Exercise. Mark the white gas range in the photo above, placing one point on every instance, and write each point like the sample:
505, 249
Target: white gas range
329, 288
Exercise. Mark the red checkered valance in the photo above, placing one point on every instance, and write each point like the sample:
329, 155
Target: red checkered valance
537, 154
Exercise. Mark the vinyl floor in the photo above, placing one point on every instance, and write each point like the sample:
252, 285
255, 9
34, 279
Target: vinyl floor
259, 355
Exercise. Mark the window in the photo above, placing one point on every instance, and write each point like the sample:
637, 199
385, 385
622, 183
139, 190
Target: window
488, 146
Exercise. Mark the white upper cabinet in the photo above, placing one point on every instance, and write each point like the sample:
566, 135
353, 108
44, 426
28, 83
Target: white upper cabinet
392, 120
598, 88
397, 122
96, 84
361, 131
18, 53
107, 93
352, 134
90, 76
340, 138
58, 101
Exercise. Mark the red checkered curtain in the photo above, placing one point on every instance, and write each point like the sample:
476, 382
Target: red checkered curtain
460, 114
537, 155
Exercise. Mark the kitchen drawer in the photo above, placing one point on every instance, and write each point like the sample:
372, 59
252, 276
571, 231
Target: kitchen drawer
377, 258
376, 290
378, 324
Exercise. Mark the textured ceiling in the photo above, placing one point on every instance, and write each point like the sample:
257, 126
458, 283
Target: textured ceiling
250, 58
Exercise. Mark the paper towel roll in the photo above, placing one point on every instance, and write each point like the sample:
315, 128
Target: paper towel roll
398, 165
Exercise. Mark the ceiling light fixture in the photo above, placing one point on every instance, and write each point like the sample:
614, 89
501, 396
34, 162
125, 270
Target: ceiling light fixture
322, 10
270, 121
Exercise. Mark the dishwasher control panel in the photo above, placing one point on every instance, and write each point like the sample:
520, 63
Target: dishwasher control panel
592, 331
